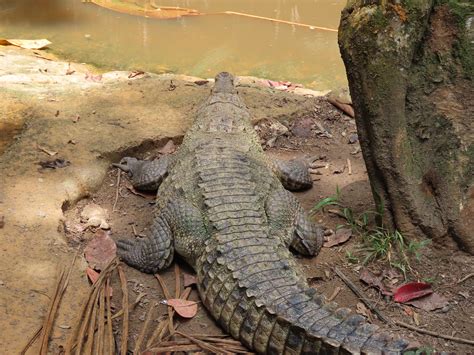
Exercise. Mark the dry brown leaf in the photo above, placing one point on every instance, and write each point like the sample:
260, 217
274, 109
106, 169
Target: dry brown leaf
342, 235
94, 276
100, 250
189, 280
430, 302
374, 281
416, 318
363, 310
26, 43
185, 308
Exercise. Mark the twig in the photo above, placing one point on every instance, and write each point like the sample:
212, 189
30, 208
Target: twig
110, 335
203, 344
141, 336
86, 308
101, 331
434, 334
177, 280
359, 294
123, 281
334, 294
32, 340
280, 21
383, 318
56, 300
349, 166
167, 296
119, 174
468, 276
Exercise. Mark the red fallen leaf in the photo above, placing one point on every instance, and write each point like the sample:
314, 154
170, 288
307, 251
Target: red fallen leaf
189, 280
185, 308
342, 235
375, 281
100, 250
411, 291
94, 276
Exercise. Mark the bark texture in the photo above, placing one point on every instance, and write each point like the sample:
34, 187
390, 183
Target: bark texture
410, 67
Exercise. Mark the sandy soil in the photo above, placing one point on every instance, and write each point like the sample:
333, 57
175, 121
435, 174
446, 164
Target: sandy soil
92, 121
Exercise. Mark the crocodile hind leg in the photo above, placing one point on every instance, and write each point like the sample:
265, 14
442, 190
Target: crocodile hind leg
287, 219
144, 174
293, 174
179, 226
150, 254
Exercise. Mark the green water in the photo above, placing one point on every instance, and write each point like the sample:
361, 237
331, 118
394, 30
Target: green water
198, 45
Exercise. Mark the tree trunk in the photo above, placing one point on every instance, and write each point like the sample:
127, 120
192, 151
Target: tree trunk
410, 66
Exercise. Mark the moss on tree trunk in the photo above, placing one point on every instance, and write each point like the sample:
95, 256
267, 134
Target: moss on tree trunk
410, 70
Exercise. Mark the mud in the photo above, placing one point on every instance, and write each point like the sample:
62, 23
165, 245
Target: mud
92, 122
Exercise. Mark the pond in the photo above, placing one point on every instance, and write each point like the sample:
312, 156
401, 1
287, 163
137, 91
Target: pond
196, 45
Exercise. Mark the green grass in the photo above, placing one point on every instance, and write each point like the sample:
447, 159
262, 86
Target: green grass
377, 242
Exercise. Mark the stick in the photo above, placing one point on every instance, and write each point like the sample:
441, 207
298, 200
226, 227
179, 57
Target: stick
110, 335
101, 331
280, 21
349, 166
139, 342
359, 294
119, 174
468, 276
123, 281
32, 340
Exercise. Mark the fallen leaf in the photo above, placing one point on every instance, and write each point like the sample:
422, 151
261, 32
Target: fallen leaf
94, 216
416, 318
302, 127
100, 250
342, 235
430, 302
201, 82
408, 311
374, 281
94, 276
185, 308
54, 164
26, 43
189, 280
363, 310
168, 148
412, 291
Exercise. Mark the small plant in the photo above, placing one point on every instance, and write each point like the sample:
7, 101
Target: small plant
327, 201
351, 257
378, 243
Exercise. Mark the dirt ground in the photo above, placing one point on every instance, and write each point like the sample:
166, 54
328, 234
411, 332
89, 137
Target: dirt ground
133, 214
41, 208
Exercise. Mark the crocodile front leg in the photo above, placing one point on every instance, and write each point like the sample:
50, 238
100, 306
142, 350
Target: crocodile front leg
293, 174
287, 219
144, 174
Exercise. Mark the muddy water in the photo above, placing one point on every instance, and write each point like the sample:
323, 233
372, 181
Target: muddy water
198, 45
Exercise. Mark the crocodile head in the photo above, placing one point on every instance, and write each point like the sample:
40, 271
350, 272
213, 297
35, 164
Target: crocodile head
224, 83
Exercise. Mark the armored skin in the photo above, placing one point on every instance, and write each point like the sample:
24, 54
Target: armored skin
222, 205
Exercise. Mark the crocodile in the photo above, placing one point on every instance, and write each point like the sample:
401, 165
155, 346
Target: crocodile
225, 208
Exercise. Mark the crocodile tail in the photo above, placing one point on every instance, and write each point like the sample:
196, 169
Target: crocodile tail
260, 300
